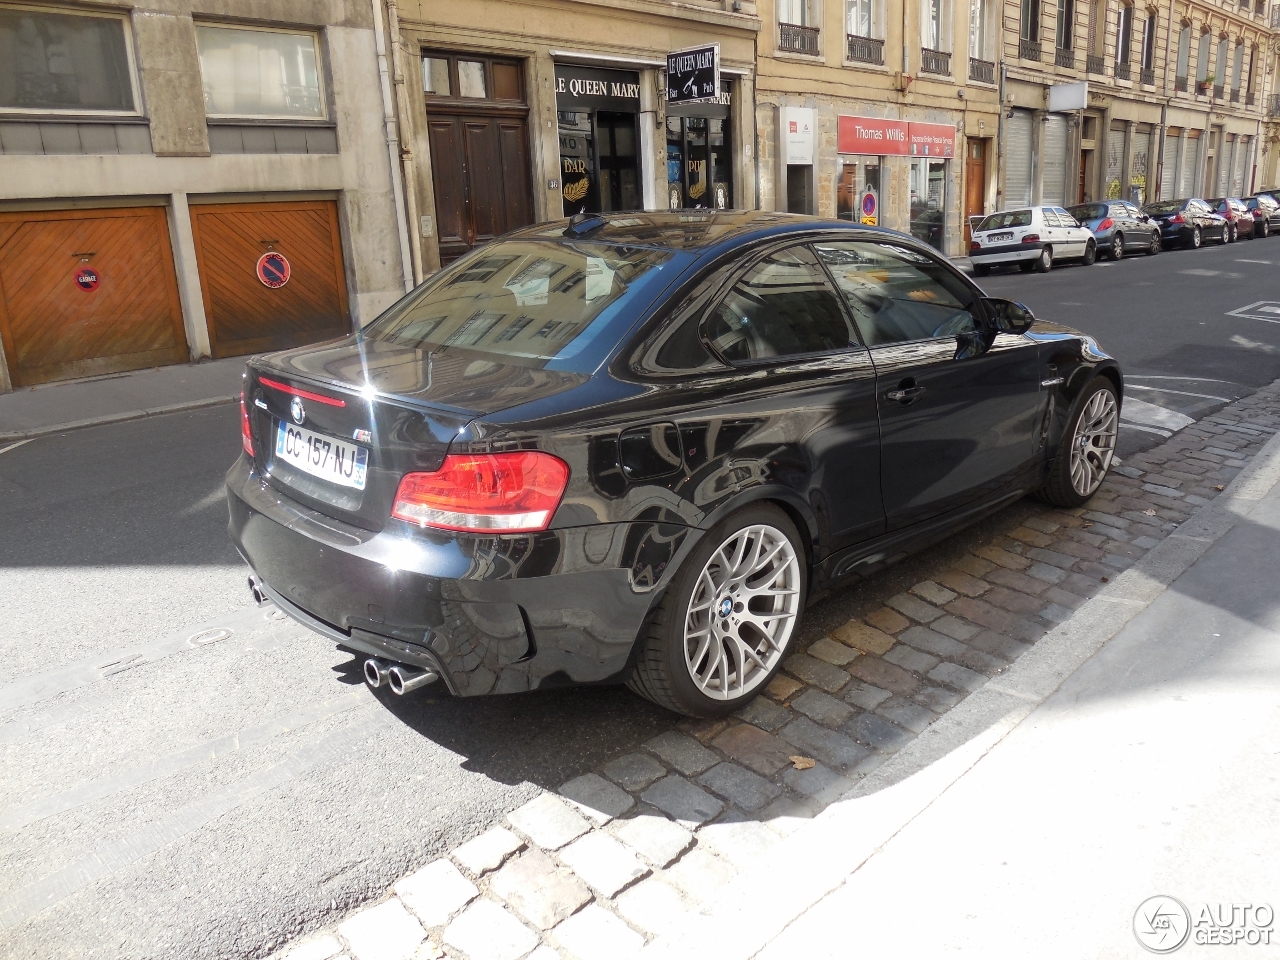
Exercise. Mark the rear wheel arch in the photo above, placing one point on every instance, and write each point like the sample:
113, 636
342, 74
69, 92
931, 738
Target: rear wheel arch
797, 509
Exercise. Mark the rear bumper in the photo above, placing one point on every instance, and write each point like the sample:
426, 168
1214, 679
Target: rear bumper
1176, 234
490, 614
1008, 253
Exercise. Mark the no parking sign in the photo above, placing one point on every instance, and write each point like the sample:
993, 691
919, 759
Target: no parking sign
87, 279
273, 270
869, 207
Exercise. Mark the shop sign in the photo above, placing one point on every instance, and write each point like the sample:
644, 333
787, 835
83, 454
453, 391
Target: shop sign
932, 139
693, 73
872, 135
797, 134
586, 88
894, 138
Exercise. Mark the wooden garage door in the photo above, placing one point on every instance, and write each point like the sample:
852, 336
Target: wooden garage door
54, 328
245, 315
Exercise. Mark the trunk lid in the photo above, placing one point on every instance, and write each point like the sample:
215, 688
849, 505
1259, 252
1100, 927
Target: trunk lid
402, 405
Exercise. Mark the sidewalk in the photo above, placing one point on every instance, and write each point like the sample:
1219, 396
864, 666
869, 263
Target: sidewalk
57, 407
1024, 827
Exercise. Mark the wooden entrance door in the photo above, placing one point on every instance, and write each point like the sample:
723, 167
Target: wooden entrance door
975, 182
480, 165
244, 314
122, 314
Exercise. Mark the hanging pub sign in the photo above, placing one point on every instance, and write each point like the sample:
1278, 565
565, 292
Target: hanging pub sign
693, 74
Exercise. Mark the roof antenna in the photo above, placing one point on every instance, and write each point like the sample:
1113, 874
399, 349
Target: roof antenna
583, 222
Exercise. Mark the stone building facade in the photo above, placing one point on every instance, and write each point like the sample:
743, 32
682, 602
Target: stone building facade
189, 179
904, 107
1176, 100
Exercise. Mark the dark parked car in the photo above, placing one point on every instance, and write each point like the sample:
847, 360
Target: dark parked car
1238, 216
1187, 223
1266, 214
1119, 227
632, 448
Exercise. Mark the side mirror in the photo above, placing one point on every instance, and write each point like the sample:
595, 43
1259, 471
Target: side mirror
1009, 316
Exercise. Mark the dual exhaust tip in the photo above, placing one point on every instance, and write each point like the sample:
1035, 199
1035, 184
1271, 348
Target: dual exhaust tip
397, 676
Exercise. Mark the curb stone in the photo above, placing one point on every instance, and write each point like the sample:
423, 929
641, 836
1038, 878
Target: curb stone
1101, 577
34, 432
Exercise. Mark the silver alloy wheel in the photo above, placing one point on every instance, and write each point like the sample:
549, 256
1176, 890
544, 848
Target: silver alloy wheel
1094, 442
742, 612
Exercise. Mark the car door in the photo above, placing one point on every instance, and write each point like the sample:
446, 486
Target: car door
960, 405
798, 406
1050, 232
1071, 227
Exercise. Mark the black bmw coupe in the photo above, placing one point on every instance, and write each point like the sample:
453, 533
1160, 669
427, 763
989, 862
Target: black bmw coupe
632, 448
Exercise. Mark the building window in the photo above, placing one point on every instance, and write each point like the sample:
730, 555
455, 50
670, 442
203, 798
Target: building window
1220, 68
795, 12
935, 25
1066, 23
861, 17
475, 78
1202, 59
1149, 43
1238, 69
1030, 24
1124, 34
260, 73
64, 62
979, 29
1184, 55
1097, 27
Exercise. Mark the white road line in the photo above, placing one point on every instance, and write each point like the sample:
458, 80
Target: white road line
1181, 393
1153, 415
1134, 426
1266, 263
15, 446
1145, 376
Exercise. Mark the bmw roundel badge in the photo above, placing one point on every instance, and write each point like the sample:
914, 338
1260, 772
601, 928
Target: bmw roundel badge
297, 410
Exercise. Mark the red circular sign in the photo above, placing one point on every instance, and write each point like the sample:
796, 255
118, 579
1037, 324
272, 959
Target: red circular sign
87, 279
273, 270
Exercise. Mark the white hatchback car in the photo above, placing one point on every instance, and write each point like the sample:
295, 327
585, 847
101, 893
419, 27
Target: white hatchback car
1033, 237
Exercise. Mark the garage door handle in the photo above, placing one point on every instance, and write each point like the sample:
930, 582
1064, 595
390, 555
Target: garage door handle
905, 395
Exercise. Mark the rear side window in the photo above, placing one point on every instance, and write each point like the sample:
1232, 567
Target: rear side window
783, 306
897, 294
1168, 206
1003, 221
1089, 211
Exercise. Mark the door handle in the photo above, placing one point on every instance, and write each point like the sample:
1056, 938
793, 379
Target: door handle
905, 394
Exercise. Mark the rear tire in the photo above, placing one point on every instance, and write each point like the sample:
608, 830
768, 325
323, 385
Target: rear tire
1117, 246
1090, 254
1044, 263
686, 659
1196, 238
1071, 483
1266, 229
1231, 233
981, 269
1155, 244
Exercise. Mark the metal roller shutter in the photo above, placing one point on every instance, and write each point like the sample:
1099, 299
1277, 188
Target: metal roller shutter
1171, 142
1115, 163
1226, 155
1187, 187
1054, 183
1238, 185
1017, 160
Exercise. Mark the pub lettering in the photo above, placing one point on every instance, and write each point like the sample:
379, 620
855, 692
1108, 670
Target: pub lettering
597, 88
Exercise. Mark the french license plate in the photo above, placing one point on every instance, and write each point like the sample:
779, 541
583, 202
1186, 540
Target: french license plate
1000, 236
321, 456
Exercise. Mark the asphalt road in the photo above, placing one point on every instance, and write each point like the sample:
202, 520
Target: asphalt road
186, 775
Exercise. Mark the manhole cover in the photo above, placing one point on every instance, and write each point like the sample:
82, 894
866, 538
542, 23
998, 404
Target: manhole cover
205, 637
275, 613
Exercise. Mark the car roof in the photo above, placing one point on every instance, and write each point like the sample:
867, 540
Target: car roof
692, 230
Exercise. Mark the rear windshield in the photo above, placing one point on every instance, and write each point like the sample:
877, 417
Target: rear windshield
532, 302
1088, 211
1169, 206
1009, 218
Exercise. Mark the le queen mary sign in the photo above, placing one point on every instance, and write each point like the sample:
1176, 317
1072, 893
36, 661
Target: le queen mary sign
693, 74
895, 138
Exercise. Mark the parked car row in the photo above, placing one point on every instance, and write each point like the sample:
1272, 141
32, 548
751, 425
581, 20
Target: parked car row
1035, 238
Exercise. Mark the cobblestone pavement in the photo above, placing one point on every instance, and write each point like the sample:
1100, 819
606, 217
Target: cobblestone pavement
626, 850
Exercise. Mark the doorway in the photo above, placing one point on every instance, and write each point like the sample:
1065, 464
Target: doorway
975, 183
928, 206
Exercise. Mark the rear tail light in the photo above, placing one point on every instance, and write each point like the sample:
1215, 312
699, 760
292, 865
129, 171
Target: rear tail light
1177, 218
1031, 238
1106, 224
498, 492
1257, 214
246, 435
974, 246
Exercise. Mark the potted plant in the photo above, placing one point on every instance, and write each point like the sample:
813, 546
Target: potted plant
1205, 84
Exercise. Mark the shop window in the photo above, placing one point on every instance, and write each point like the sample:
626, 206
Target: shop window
260, 73
859, 195
598, 113
898, 295
64, 62
783, 307
471, 78
928, 183
699, 172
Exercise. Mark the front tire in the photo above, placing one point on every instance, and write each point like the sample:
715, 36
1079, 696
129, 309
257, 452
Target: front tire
1155, 244
1117, 246
727, 620
1231, 234
1266, 230
1087, 447
1196, 238
1090, 254
1044, 263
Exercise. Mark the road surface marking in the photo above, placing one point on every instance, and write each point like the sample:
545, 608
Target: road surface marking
1156, 430
1181, 393
1262, 306
1266, 263
1152, 415
15, 446
1146, 376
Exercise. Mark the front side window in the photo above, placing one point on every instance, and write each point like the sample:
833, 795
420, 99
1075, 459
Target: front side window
259, 73
53, 62
898, 295
782, 307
